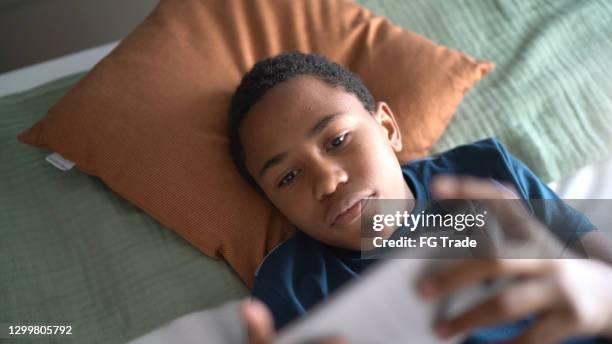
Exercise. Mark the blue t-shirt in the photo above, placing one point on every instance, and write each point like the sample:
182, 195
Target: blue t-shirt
300, 272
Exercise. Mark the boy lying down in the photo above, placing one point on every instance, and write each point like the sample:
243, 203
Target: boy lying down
308, 135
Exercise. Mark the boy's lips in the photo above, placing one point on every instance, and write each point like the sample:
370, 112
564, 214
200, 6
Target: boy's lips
347, 209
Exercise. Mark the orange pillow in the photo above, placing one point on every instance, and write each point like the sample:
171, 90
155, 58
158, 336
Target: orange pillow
150, 118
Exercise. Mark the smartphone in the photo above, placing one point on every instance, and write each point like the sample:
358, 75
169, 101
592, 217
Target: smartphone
383, 306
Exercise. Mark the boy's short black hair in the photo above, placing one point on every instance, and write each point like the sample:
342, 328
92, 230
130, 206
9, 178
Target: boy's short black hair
267, 73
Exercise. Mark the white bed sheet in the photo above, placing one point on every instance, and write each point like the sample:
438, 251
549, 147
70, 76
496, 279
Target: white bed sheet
25, 78
591, 182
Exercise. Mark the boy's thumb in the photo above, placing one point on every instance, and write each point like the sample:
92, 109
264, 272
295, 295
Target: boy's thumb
259, 321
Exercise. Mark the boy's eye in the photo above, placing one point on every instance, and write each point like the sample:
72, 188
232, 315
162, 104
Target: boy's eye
288, 178
338, 141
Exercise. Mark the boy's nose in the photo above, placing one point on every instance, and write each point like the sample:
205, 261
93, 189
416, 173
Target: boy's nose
327, 181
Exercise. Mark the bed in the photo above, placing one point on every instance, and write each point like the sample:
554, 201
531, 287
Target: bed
72, 251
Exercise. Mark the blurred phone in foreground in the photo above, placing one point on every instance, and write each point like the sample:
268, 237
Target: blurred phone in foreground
383, 307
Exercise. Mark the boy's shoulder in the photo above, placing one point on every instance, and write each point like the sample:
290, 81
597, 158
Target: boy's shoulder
300, 272
489, 150
487, 158
286, 252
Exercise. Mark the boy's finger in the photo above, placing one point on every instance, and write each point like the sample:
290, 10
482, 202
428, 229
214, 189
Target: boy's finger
259, 321
499, 198
550, 328
511, 304
467, 187
467, 272
330, 340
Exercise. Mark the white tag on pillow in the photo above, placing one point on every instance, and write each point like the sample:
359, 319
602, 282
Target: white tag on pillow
59, 161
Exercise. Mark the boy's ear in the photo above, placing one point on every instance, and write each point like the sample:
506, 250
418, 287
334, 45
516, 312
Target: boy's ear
385, 118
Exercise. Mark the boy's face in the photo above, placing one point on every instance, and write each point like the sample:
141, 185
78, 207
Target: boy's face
315, 150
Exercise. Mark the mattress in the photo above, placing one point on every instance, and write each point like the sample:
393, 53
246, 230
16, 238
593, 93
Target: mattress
73, 251
29, 77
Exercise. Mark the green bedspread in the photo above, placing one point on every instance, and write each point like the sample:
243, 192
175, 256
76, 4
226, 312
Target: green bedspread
72, 251
550, 98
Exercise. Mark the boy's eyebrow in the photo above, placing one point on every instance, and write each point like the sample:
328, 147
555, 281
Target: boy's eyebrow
321, 124
324, 122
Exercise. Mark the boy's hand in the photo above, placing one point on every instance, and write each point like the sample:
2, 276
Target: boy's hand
260, 324
570, 297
